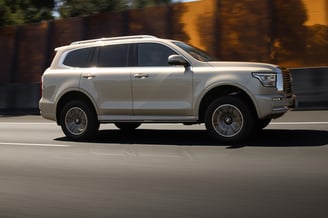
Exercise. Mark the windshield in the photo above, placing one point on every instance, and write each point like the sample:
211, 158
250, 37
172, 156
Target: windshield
195, 52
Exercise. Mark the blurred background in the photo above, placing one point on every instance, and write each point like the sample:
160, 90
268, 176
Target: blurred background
291, 33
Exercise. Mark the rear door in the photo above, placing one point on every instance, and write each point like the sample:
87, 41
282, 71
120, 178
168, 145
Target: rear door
109, 82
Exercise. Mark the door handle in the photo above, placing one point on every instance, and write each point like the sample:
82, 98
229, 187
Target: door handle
89, 76
141, 75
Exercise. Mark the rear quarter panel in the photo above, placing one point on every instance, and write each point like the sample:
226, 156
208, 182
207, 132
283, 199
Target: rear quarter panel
55, 83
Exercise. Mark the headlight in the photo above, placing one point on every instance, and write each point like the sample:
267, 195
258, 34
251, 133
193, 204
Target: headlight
267, 79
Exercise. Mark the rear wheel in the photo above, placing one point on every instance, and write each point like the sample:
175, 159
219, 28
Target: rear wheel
78, 121
229, 119
127, 127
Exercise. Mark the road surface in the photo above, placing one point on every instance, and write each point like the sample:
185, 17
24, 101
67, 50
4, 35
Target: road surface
164, 171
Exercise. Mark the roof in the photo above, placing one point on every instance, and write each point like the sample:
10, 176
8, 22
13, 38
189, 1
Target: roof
114, 38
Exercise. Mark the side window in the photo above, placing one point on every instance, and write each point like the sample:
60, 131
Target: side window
152, 54
79, 57
113, 56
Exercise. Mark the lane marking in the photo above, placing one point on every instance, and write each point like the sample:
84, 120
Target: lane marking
298, 123
26, 123
135, 154
33, 144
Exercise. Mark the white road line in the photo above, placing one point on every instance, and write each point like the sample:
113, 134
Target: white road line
33, 144
27, 123
134, 154
299, 123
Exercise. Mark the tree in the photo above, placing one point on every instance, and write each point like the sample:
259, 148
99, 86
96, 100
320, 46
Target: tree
13, 12
74, 8
317, 45
146, 3
289, 40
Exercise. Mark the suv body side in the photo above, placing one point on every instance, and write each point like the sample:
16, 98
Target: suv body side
129, 85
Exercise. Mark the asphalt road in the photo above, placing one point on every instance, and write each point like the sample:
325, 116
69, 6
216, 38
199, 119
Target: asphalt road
164, 171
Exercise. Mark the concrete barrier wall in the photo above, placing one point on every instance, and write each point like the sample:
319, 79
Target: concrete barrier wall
20, 98
310, 85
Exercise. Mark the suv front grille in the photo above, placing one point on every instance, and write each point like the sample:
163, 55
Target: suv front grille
287, 82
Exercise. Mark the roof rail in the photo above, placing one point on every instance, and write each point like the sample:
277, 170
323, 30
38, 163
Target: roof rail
113, 38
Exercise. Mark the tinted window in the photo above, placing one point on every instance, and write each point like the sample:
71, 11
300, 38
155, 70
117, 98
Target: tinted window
113, 56
151, 54
79, 58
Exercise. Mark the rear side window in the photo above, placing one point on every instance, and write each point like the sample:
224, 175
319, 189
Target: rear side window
79, 57
113, 56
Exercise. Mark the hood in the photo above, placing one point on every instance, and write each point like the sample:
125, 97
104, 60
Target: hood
254, 66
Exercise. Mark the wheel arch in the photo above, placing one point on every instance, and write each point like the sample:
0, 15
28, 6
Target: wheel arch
220, 91
69, 96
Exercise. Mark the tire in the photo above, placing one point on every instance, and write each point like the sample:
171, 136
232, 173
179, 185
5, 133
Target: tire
127, 127
262, 123
229, 120
78, 121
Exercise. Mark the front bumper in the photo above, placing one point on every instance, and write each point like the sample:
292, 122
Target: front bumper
274, 106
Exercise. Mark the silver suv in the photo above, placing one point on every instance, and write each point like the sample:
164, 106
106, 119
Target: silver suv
144, 79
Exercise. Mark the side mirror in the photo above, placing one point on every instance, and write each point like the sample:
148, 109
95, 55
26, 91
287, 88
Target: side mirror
177, 60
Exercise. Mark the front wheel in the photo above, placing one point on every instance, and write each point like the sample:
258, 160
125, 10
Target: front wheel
229, 119
78, 121
262, 123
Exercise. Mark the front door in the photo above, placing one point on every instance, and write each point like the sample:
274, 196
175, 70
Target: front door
160, 89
